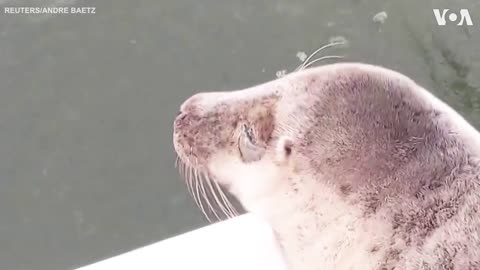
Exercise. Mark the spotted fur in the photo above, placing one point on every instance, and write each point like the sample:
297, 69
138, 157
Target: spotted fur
362, 169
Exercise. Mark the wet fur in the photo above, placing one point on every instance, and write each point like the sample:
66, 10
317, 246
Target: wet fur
379, 174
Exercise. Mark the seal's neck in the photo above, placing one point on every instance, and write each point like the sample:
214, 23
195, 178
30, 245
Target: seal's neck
318, 229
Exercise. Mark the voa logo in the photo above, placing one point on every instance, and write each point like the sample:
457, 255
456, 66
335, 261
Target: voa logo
460, 18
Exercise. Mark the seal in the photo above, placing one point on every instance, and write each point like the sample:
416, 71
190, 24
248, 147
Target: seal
354, 166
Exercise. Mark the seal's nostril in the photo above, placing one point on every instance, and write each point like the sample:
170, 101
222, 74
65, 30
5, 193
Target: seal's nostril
180, 120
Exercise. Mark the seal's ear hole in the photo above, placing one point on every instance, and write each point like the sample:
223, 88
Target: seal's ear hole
288, 149
284, 148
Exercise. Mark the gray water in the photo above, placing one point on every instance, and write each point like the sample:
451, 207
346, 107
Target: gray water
87, 103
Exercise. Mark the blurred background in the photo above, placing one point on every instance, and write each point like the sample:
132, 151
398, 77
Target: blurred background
87, 102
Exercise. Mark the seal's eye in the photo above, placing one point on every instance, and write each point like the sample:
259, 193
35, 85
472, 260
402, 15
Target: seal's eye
248, 133
249, 148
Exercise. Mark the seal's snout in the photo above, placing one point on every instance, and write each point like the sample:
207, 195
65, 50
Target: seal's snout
184, 130
197, 129
189, 115
180, 120
188, 111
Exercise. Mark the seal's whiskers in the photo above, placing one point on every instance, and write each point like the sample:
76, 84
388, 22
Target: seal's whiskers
232, 212
187, 172
322, 58
190, 185
176, 162
195, 181
224, 210
199, 197
226, 201
306, 63
182, 168
205, 196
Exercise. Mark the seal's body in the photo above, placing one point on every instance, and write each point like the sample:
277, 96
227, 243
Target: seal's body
354, 166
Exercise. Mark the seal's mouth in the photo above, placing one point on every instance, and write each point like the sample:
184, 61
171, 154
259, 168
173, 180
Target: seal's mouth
206, 192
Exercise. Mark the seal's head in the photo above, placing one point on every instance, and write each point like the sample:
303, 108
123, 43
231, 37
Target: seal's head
330, 156
244, 139
316, 124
